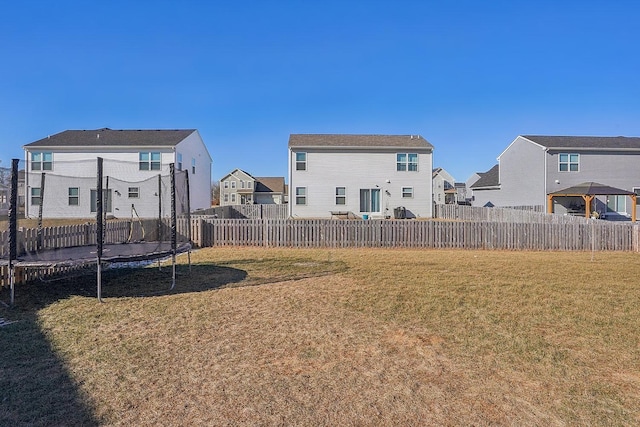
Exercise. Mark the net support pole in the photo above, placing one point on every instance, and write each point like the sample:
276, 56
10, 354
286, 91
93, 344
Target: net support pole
189, 236
99, 229
159, 208
172, 171
42, 181
13, 229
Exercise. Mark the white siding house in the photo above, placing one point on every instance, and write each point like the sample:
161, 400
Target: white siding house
443, 187
369, 176
133, 161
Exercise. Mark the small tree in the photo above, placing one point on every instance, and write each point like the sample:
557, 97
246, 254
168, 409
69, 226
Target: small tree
215, 193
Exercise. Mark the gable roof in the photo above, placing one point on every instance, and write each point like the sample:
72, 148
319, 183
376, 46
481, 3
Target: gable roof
490, 178
106, 137
358, 141
237, 170
270, 184
586, 142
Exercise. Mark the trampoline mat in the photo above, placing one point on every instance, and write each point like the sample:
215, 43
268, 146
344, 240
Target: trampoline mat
121, 252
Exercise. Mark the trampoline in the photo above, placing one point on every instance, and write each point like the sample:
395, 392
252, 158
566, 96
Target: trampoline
105, 244
111, 253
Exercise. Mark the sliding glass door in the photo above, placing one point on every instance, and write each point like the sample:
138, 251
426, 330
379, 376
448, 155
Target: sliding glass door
370, 200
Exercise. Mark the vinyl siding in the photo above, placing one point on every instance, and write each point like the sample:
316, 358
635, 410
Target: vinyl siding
78, 169
522, 175
355, 170
613, 168
192, 147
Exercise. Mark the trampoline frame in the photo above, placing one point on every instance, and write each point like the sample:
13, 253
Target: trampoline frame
104, 252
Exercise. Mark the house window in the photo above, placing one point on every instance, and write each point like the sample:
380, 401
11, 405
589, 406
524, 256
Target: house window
74, 193
637, 191
341, 196
301, 161
35, 196
193, 166
226, 198
249, 184
94, 200
134, 192
233, 197
41, 161
617, 204
301, 195
149, 161
407, 162
179, 161
226, 184
370, 200
407, 192
241, 183
569, 162
233, 184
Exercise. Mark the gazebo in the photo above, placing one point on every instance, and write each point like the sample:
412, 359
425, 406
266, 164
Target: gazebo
588, 191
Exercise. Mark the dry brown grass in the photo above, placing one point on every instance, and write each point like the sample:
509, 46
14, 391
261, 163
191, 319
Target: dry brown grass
345, 337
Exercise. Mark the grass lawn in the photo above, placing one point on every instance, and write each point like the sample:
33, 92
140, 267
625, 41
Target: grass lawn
312, 337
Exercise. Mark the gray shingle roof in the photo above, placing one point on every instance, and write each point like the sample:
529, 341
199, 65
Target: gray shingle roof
588, 142
106, 137
490, 178
343, 140
594, 189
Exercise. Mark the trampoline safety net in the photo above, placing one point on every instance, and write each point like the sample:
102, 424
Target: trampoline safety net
78, 211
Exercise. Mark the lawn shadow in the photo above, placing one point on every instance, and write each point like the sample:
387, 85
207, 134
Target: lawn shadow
36, 388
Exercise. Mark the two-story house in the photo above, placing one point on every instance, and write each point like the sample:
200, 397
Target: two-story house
533, 167
241, 188
134, 163
369, 176
444, 191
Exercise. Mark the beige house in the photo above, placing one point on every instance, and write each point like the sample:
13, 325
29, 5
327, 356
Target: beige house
241, 188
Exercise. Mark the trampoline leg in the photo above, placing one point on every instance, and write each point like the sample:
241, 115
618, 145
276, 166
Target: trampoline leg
99, 281
173, 278
12, 285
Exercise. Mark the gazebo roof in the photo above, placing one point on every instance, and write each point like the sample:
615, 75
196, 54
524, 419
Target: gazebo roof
592, 189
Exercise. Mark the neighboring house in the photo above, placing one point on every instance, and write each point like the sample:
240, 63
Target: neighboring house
461, 197
484, 187
532, 167
236, 188
241, 188
133, 160
21, 189
443, 187
369, 176
4, 199
5, 189
270, 190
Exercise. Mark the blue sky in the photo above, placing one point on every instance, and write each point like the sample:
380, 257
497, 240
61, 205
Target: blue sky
469, 76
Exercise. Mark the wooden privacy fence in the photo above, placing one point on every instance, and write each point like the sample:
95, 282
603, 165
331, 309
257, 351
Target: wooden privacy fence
592, 235
327, 233
476, 213
259, 211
